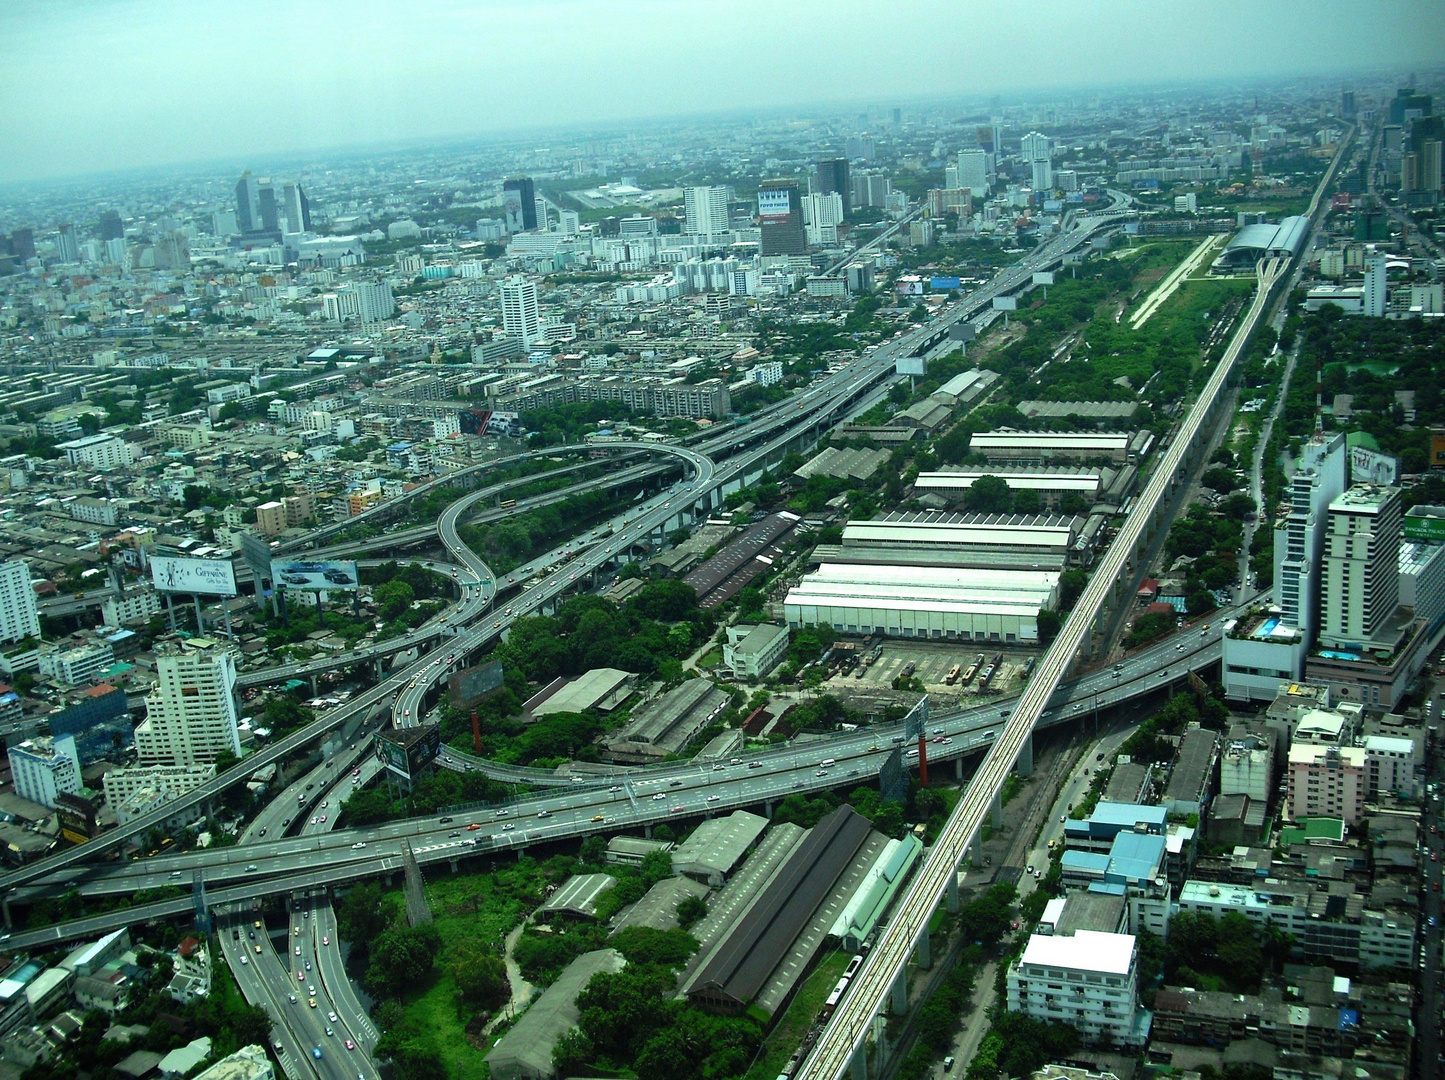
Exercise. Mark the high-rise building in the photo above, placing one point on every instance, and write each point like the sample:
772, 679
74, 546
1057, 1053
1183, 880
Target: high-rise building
1299, 538
110, 227
1360, 575
296, 206
973, 171
1348, 109
22, 243
191, 716
860, 146
117, 254
822, 215
248, 203
705, 211
67, 247
1088, 979
520, 315
18, 616
43, 767
1376, 288
374, 301
1037, 150
224, 223
780, 217
519, 204
266, 200
569, 222
541, 207
833, 179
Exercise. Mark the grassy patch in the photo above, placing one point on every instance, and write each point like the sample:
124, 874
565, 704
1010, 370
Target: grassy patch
789, 1032
710, 659
1012, 784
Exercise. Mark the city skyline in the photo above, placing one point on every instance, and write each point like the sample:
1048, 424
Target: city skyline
314, 80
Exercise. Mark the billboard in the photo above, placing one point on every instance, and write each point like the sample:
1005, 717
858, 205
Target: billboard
1372, 467
1005, 303
1420, 527
408, 751
774, 202
943, 284
202, 577
1043, 277
512, 210
315, 576
471, 684
256, 553
909, 285
77, 816
1437, 450
962, 331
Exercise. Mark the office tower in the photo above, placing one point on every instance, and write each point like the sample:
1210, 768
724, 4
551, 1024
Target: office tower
22, 243
519, 204
116, 253
1407, 105
833, 178
223, 223
1360, 575
248, 203
1348, 109
1376, 291
1299, 537
780, 217
110, 227
973, 171
821, 217
18, 617
191, 716
1037, 150
860, 146
43, 767
266, 200
374, 301
570, 222
541, 206
705, 211
67, 248
520, 316
296, 207
897, 117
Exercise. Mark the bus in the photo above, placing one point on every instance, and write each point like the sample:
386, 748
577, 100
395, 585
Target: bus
506, 504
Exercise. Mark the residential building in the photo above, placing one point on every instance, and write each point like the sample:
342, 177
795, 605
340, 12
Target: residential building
705, 212
973, 172
1088, 980
1376, 292
1247, 767
77, 666
136, 603
1326, 781
19, 618
192, 713
153, 785
520, 315
1393, 764
98, 451
44, 766
271, 518
1360, 574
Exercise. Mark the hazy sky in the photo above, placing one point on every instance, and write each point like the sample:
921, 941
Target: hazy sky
88, 85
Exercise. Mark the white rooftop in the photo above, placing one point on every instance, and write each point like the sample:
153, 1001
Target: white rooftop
1084, 950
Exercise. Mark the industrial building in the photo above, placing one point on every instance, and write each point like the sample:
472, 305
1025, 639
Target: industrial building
742, 963
953, 539
667, 724
718, 846
577, 896
952, 603
1255, 242
525, 1051
1034, 446
600, 688
863, 912
1052, 484
750, 652
729, 571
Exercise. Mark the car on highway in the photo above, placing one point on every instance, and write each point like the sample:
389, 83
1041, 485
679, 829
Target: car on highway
350, 1045
596, 817
658, 797
316, 1050
544, 812
453, 835
508, 825
292, 997
713, 798
325, 939
329, 1033
244, 960
677, 810
301, 976
755, 764
331, 1016
311, 1002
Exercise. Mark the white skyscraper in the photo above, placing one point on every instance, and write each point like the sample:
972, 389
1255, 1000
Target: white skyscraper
18, 617
706, 211
1360, 576
374, 301
973, 171
1299, 537
1037, 150
1375, 287
42, 767
191, 716
117, 254
571, 222
821, 217
520, 316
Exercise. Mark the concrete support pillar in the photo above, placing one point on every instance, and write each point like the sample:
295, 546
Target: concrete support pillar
521, 854
388, 880
997, 811
5, 906
951, 892
860, 1064
1025, 763
768, 808
456, 864
958, 768
924, 955
647, 830
315, 691
880, 1044
898, 999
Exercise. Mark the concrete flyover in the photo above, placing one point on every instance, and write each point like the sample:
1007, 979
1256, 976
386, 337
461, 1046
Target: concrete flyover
845, 1035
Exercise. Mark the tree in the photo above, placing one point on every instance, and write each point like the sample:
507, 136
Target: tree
690, 910
480, 974
393, 599
1220, 479
1049, 624
989, 495
401, 958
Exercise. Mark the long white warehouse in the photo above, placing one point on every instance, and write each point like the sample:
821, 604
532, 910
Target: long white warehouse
949, 532
948, 603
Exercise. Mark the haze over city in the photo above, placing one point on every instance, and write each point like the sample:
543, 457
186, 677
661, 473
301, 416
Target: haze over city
693, 541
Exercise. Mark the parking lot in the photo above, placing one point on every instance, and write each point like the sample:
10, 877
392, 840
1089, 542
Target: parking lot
931, 664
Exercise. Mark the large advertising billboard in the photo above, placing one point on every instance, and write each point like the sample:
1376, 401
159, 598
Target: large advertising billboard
941, 284
315, 576
470, 685
1005, 303
512, 211
407, 752
774, 202
1043, 277
1437, 450
1372, 467
202, 577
